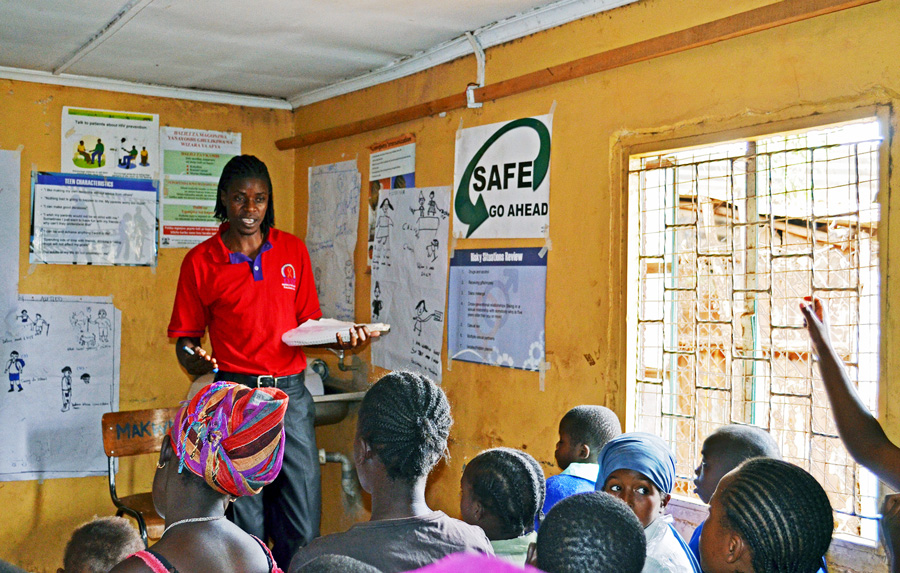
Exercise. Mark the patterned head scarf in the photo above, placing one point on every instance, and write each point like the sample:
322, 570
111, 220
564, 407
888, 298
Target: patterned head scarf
232, 436
640, 452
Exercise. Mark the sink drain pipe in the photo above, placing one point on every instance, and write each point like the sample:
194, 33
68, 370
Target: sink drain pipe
350, 493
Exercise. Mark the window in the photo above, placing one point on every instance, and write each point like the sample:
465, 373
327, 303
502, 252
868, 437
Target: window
730, 239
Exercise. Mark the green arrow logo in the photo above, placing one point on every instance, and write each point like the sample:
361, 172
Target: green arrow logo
474, 214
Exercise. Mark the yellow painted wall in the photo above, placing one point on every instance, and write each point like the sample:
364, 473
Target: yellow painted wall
832, 63
37, 519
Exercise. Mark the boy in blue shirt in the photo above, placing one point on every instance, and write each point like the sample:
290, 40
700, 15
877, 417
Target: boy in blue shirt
583, 432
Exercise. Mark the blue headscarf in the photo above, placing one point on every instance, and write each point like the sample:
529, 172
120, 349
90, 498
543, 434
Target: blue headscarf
640, 452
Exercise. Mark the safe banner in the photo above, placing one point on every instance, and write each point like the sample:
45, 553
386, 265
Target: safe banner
496, 307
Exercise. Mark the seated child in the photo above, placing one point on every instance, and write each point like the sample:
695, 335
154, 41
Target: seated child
502, 493
767, 515
639, 469
590, 532
99, 545
723, 450
404, 421
583, 432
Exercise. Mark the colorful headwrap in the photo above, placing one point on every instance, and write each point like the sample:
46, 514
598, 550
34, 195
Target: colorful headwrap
640, 452
232, 436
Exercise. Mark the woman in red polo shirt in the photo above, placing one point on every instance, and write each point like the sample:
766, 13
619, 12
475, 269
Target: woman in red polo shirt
247, 285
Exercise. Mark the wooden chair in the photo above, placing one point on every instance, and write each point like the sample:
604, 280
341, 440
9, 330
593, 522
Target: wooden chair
129, 434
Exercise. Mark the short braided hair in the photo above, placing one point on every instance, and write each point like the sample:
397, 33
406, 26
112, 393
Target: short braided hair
594, 532
591, 425
99, 545
510, 484
405, 417
782, 513
242, 167
337, 564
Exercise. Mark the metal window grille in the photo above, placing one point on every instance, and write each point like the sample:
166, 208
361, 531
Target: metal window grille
731, 238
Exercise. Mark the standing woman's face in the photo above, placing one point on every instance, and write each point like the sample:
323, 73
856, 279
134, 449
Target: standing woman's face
246, 202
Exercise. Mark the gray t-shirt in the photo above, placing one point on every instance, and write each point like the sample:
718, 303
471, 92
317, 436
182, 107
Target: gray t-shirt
394, 545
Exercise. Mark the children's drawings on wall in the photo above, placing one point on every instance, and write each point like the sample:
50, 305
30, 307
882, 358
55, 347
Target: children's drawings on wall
9, 231
331, 235
409, 277
62, 368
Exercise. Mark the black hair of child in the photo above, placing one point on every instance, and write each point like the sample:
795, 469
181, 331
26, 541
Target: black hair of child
242, 167
337, 564
99, 545
591, 532
405, 418
510, 484
782, 512
591, 425
739, 443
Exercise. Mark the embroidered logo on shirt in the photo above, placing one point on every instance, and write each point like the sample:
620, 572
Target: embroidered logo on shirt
288, 277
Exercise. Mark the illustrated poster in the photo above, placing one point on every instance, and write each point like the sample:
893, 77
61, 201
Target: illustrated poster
497, 306
409, 278
61, 374
9, 231
502, 180
87, 219
331, 235
193, 160
392, 165
113, 143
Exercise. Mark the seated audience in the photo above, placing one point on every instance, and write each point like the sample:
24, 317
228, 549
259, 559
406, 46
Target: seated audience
860, 431
583, 432
722, 451
590, 532
766, 516
226, 442
639, 469
99, 545
404, 421
337, 564
502, 493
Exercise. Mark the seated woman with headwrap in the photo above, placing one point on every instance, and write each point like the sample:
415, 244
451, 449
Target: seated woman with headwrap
225, 443
639, 469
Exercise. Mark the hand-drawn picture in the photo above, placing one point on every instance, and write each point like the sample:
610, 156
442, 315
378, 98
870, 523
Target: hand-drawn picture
432, 249
422, 317
86, 378
40, 326
14, 367
384, 223
377, 303
66, 386
103, 325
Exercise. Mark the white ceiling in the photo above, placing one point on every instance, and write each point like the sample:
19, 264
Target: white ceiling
274, 53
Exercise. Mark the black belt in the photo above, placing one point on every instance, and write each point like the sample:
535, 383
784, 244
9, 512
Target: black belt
260, 380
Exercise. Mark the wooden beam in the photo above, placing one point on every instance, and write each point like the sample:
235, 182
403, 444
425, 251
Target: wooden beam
742, 24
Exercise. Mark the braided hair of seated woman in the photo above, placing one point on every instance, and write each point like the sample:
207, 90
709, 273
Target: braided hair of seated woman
510, 484
782, 512
405, 417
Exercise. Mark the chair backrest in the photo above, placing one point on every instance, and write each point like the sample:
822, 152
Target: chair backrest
136, 431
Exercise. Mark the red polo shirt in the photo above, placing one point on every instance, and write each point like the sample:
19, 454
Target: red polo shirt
247, 304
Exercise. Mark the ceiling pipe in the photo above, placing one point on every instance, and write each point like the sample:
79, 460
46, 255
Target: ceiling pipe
479, 58
735, 26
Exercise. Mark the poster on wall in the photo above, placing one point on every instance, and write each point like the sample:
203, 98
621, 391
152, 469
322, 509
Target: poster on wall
501, 180
496, 309
112, 143
93, 220
10, 162
61, 365
331, 236
392, 165
192, 161
409, 278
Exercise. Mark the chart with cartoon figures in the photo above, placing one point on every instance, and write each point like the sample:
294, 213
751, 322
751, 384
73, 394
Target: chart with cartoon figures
409, 277
106, 142
331, 235
61, 373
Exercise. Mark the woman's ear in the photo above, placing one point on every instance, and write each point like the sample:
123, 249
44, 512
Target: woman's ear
165, 452
664, 501
737, 549
531, 557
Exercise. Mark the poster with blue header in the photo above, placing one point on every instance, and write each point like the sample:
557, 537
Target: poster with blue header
497, 303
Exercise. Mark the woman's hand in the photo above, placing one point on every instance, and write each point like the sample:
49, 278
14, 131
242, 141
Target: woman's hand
816, 323
360, 336
194, 359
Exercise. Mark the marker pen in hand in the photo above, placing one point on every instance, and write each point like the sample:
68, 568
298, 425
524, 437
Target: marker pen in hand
190, 351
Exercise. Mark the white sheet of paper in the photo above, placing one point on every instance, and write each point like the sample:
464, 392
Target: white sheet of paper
66, 363
10, 162
409, 278
331, 235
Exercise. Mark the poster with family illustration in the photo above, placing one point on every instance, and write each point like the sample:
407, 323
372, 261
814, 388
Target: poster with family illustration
60, 359
113, 143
